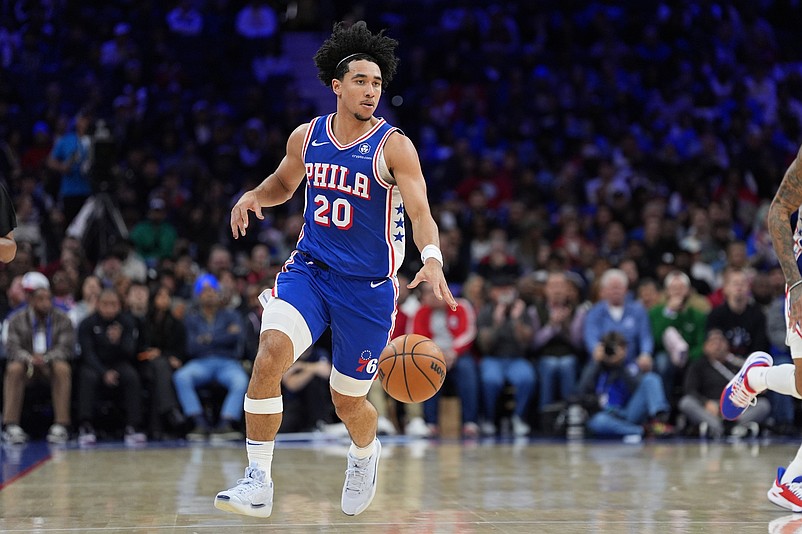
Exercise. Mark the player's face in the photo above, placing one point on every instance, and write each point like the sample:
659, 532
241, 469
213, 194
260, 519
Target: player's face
361, 89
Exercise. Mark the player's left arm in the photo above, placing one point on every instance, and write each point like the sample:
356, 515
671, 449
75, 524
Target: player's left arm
402, 160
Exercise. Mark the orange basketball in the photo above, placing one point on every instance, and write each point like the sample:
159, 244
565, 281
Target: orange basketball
412, 368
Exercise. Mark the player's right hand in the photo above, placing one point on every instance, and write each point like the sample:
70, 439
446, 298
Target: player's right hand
239, 213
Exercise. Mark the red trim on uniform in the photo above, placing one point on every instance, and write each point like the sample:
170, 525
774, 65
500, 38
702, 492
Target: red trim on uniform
291, 259
380, 150
352, 144
307, 138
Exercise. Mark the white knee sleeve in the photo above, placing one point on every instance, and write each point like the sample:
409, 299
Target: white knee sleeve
349, 386
264, 406
282, 316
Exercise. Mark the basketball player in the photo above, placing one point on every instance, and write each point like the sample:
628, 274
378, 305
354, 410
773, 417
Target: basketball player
758, 373
361, 175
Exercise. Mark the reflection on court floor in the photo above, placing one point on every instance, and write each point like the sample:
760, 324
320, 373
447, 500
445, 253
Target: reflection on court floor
469, 486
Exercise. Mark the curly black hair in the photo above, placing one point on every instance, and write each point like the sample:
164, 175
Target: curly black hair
354, 43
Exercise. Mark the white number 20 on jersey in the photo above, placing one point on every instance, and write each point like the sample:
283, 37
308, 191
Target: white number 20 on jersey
340, 212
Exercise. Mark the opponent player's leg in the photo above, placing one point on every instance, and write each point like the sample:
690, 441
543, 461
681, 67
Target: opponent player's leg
786, 491
285, 335
758, 374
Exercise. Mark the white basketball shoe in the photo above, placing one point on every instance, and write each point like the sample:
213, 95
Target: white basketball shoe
360, 482
253, 495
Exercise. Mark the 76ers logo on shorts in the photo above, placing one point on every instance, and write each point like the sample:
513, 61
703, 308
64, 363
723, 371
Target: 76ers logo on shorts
367, 363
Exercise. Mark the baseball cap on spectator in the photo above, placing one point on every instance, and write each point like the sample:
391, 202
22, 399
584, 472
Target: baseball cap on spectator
204, 281
34, 280
691, 244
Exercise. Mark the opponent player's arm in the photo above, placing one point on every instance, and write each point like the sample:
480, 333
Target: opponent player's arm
277, 188
786, 201
402, 160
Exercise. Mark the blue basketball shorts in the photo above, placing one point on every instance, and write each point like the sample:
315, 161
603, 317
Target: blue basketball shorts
361, 313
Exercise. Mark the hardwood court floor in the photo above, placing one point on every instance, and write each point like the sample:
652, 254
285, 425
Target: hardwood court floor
449, 487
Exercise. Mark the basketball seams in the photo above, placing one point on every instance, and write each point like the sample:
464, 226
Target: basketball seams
406, 377
411, 347
422, 372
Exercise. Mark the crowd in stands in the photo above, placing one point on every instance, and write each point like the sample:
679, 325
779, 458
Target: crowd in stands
600, 173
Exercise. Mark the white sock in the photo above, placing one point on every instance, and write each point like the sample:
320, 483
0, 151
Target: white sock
362, 452
795, 469
261, 454
779, 378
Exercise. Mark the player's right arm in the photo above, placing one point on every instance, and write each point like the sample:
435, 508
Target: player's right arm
276, 189
786, 201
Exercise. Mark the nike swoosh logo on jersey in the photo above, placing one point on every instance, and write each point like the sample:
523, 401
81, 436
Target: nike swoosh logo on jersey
316, 143
377, 284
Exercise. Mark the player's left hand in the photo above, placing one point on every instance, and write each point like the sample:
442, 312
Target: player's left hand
432, 272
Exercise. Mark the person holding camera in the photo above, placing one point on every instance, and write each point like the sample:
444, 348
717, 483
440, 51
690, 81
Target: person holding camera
615, 312
626, 400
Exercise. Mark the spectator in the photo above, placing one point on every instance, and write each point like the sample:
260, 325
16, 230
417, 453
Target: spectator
305, 389
108, 343
155, 237
86, 306
70, 158
614, 313
260, 270
454, 332
678, 330
626, 400
742, 321
215, 340
706, 379
219, 260
63, 290
648, 293
16, 298
557, 323
41, 345
164, 349
505, 333
498, 262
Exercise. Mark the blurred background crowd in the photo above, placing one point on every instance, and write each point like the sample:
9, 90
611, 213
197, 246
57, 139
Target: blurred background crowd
600, 172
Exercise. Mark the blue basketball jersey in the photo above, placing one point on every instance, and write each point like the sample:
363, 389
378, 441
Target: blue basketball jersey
353, 218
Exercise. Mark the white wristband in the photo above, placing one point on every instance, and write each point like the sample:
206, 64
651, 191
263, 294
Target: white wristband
431, 251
